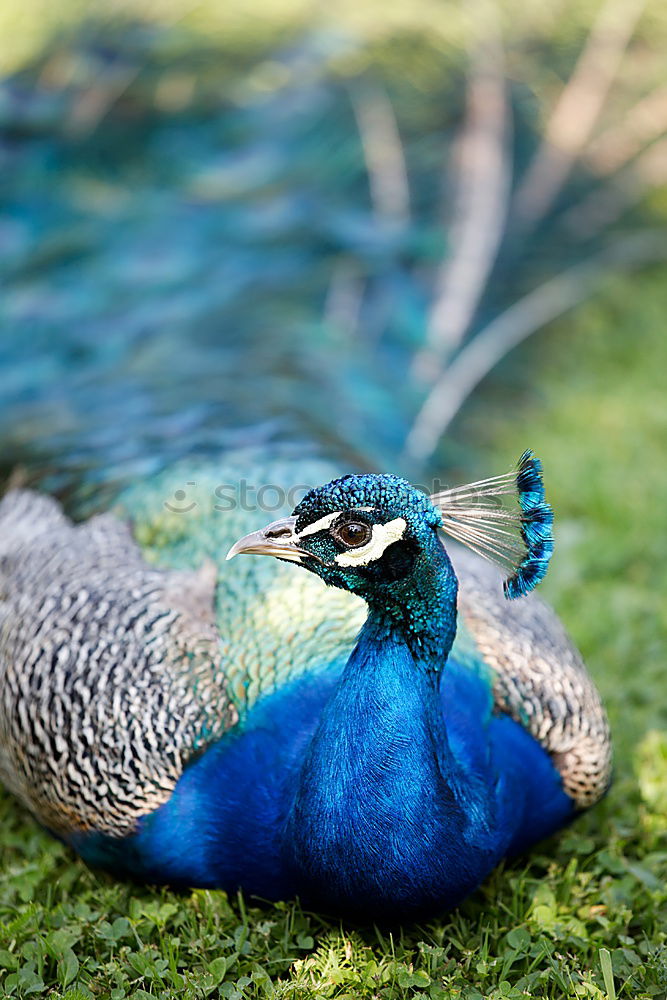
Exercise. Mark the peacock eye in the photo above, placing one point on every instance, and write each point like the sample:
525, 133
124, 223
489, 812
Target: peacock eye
353, 534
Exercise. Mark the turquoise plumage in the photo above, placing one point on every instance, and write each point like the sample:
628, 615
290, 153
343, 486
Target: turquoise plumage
372, 729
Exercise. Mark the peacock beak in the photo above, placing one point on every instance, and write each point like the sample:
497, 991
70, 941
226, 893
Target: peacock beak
277, 539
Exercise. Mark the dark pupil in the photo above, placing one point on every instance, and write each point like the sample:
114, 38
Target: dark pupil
354, 534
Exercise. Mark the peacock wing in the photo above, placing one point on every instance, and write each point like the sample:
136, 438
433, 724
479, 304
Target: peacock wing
538, 676
108, 669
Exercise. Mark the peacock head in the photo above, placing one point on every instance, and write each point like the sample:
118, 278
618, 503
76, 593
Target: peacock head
359, 533
371, 534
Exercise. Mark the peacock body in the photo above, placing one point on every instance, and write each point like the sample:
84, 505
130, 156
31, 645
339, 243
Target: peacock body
179, 718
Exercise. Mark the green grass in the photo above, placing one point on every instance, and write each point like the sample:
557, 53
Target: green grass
586, 914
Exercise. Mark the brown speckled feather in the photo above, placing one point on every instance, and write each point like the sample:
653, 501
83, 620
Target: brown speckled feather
107, 669
539, 676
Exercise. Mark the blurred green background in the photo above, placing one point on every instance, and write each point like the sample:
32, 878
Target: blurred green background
444, 223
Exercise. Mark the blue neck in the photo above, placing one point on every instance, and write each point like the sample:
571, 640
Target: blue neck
418, 612
377, 800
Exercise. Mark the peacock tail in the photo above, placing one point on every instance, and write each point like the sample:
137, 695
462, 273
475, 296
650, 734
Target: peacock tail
184, 227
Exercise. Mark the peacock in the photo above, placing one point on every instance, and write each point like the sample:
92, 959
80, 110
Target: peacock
372, 719
374, 746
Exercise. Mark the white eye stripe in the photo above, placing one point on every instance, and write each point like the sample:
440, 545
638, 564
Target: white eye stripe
383, 536
321, 525
326, 521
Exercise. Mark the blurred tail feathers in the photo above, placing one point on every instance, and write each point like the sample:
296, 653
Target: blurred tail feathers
272, 264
